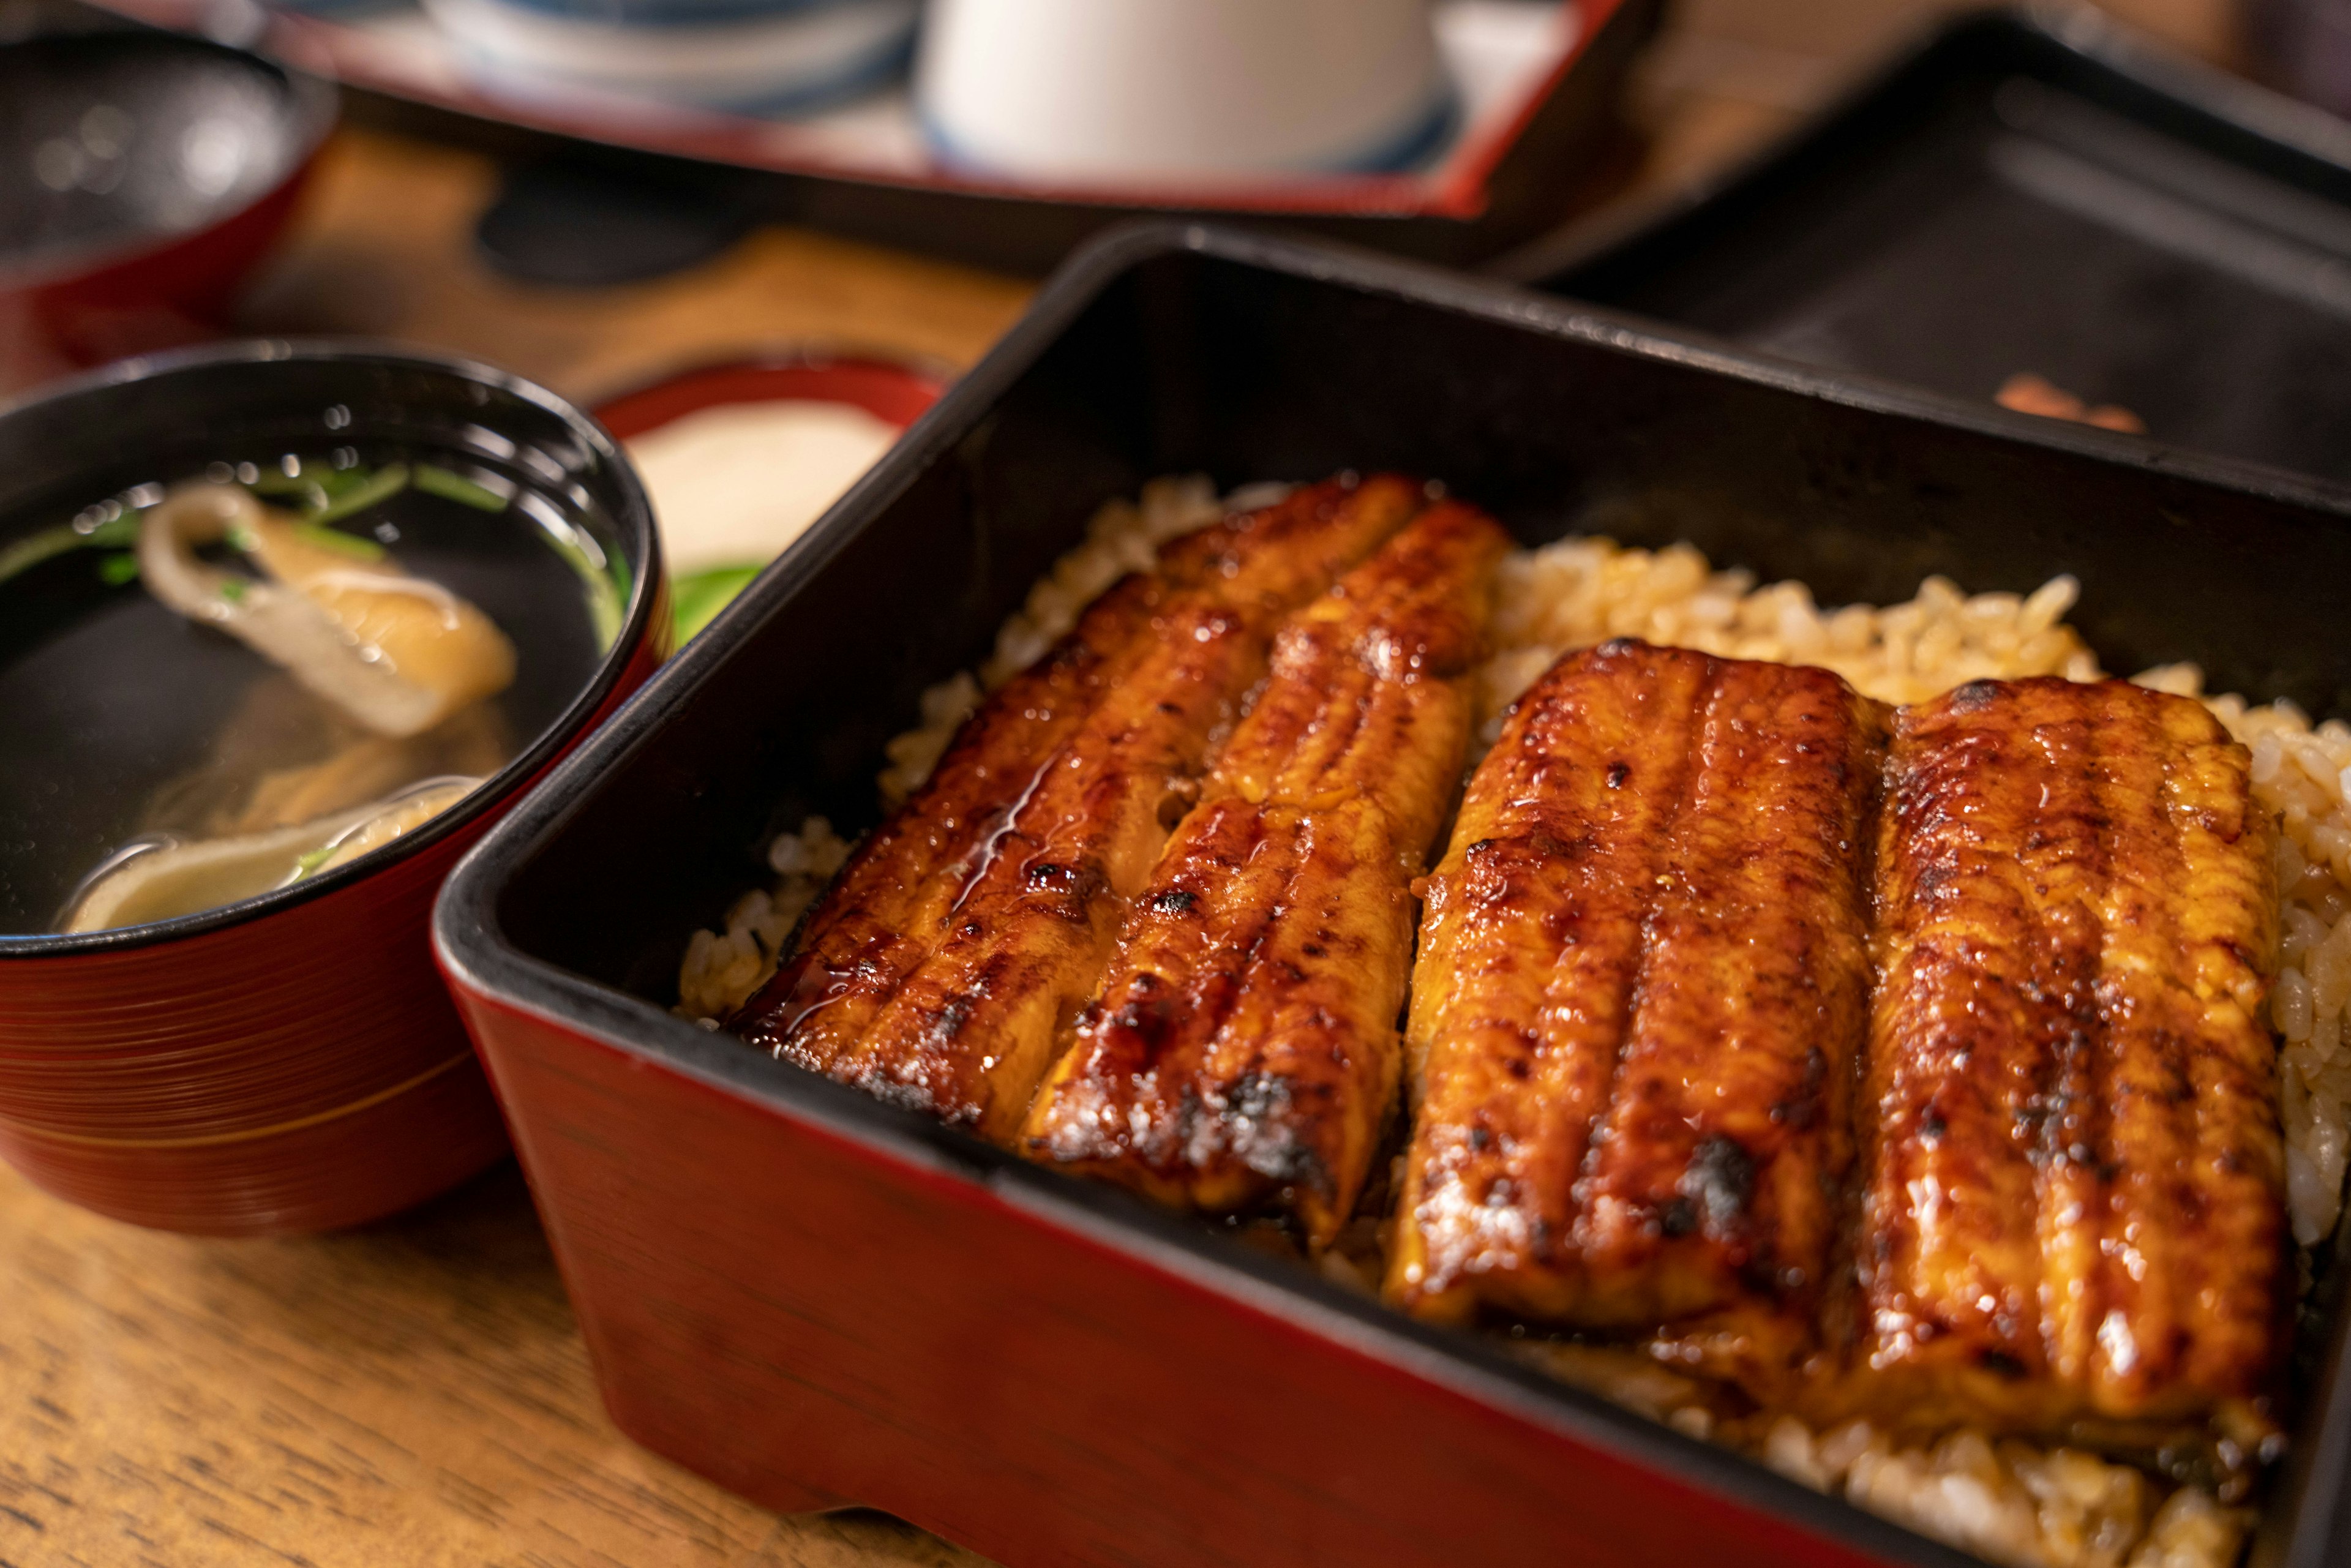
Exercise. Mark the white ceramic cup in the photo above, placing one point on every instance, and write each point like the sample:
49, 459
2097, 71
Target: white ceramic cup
1169, 90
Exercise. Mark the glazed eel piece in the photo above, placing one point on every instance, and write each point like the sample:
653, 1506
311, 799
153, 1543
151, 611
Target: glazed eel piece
2074, 1188
1642, 989
1243, 1051
949, 953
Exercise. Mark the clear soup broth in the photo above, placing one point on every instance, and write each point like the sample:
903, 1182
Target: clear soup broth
178, 754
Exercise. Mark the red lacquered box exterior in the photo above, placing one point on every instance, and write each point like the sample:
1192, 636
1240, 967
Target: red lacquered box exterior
812, 1320
817, 1299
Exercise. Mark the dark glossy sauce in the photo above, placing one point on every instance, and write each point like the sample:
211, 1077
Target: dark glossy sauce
119, 717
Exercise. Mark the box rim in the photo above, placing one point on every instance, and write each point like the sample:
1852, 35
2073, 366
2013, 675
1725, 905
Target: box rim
477, 959
1966, 43
2095, 39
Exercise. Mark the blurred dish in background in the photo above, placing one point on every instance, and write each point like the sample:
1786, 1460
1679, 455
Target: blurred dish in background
746, 57
141, 176
1072, 91
2035, 191
740, 459
2303, 48
1535, 85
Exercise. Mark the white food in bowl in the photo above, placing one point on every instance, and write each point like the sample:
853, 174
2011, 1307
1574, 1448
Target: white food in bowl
735, 484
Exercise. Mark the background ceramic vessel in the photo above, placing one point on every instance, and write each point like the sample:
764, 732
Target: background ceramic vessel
1076, 90
141, 176
752, 57
287, 1063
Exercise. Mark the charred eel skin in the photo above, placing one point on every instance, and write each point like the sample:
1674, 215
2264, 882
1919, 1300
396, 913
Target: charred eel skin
953, 949
2074, 1185
1243, 1052
1643, 988
2033, 1181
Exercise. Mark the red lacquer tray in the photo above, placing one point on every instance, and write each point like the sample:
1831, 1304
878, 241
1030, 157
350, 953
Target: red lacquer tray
1525, 153
816, 1298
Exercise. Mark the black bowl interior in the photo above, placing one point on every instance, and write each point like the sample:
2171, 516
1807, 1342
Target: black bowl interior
113, 139
139, 694
1168, 352
2021, 197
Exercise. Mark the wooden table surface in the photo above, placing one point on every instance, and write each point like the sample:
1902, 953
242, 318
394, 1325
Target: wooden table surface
416, 1393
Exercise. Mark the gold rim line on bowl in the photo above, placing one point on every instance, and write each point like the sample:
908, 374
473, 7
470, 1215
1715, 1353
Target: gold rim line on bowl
242, 1135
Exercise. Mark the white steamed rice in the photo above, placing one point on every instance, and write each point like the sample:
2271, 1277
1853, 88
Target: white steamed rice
2008, 1501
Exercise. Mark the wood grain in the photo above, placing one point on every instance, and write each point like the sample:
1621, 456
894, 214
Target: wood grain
413, 1393
416, 1394
383, 246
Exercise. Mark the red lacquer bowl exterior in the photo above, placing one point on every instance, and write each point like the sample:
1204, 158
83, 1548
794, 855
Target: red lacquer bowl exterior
291, 1064
295, 1073
178, 292
149, 292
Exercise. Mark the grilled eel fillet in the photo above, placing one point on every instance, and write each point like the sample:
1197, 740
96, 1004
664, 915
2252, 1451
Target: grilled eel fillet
2072, 1192
1244, 1045
1642, 989
960, 939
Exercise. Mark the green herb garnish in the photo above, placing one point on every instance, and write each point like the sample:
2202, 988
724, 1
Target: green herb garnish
278, 482
337, 482
698, 597
319, 483
341, 543
312, 497
118, 569
386, 482
456, 487
116, 533
607, 580
333, 494
304, 864
31, 551
234, 590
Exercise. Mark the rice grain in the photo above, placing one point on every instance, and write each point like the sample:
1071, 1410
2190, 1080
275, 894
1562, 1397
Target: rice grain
2012, 1504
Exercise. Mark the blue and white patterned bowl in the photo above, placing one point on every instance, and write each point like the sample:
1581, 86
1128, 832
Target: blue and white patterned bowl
748, 56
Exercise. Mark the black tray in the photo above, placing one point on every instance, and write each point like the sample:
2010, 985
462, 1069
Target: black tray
663, 1157
2033, 190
